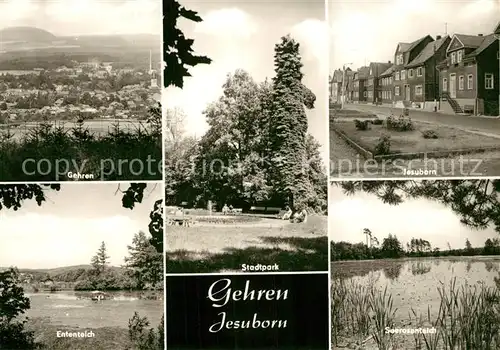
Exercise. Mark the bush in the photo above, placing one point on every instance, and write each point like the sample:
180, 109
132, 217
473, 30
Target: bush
143, 337
383, 145
401, 123
361, 124
377, 121
429, 134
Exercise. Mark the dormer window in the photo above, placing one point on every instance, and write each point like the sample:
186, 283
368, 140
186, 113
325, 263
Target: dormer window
459, 56
453, 57
371, 72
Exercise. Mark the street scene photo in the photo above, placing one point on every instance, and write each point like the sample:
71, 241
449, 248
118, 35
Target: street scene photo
80, 90
413, 100
245, 139
415, 264
81, 266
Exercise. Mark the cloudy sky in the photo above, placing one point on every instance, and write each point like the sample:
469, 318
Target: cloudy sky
69, 228
369, 30
349, 215
83, 17
242, 34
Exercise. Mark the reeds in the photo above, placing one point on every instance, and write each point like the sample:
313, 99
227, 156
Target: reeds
468, 317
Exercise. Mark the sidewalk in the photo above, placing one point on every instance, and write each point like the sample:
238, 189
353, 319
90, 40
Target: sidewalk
483, 124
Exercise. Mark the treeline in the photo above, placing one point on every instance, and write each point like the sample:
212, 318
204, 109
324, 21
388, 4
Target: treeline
391, 247
257, 148
83, 148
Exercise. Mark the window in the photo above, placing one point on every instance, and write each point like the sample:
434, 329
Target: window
453, 58
418, 90
445, 85
459, 56
396, 91
403, 75
397, 76
371, 72
469, 82
488, 81
419, 71
399, 59
461, 82
410, 73
364, 94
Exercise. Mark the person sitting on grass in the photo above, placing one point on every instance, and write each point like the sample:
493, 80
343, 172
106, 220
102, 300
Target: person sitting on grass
225, 209
300, 215
288, 213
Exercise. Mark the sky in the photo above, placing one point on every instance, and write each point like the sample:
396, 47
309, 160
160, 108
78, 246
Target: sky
429, 220
84, 17
68, 229
242, 34
369, 30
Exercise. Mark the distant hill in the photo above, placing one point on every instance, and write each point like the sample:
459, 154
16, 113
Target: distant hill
64, 269
26, 34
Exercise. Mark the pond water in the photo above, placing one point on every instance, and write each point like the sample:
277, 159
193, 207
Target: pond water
66, 308
413, 283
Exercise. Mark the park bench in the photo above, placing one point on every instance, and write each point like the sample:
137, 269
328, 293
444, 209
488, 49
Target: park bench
267, 210
179, 221
236, 211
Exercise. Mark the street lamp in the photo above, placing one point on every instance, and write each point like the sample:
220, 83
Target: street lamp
343, 85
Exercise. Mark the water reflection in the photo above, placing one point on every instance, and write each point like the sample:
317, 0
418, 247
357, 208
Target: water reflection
420, 268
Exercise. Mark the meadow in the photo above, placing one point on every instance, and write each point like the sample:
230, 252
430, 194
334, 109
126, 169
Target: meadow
220, 243
458, 296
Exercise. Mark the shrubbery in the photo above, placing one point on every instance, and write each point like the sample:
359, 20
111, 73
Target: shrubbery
430, 134
377, 122
143, 337
362, 124
401, 123
383, 145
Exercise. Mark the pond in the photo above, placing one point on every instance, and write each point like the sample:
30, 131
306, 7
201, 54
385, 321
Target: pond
413, 283
68, 309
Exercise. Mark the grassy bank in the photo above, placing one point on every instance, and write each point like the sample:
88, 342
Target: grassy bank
213, 248
468, 317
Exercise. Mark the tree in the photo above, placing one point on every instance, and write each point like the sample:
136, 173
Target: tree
391, 247
144, 262
476, 202
288, 126
100, 260
13, 303
368, 235
3, 106
178, 52
468, 246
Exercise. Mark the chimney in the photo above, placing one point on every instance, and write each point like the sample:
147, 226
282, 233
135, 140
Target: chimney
389, 62
438, 37
480, 35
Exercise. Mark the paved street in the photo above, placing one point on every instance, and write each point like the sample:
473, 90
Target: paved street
487, 125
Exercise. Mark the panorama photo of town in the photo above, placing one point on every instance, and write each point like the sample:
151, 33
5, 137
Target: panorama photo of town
80, 97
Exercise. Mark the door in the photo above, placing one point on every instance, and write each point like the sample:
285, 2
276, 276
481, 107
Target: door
453, 86
407, 92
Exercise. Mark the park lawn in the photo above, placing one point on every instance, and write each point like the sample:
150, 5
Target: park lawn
216, 248
350, 114
449, 138
106, 338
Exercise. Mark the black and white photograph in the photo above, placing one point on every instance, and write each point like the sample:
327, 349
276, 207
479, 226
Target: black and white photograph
80, 90
81, 266
415, 264
246, 138
414, 88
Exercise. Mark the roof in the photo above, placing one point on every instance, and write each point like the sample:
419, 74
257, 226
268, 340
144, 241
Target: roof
487, 41
470, 41
497, 29
405, 47
388, 71
428, 52
381, 66
363, 72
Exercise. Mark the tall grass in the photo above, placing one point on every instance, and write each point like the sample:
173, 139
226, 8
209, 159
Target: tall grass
468, 317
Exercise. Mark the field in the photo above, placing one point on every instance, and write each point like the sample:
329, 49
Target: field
221, 245
458, 296
62, 311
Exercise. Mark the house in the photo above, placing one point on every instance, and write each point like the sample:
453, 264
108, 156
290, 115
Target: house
385, 82
373, 89
404, 54
335, 80
423, 76
469, 75
359, 84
